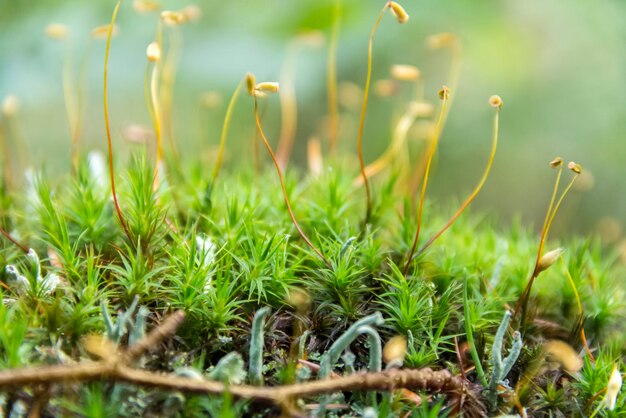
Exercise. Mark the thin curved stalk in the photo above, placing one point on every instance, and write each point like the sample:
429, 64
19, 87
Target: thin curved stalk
166, 91
431, 152
397, 141
544, 232
454, 74
148, 97
282, 185
107, 123
476, 190
14, 241
157, 121
257, 157
552, 210
368, 82
225, 126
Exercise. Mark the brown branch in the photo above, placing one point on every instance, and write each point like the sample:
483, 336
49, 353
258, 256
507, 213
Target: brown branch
86, 371
14, 241
156, 336
42, 396
420, 379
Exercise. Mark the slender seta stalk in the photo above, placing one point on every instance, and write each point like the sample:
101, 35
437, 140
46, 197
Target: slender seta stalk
398, 139
547, 223
444, 94
225, 126
148, 97
69, 98
14, 241
257, 157
402, 17
154, 57
107, 124
439, 41
497, 103
256, 91
166, 91
414, 109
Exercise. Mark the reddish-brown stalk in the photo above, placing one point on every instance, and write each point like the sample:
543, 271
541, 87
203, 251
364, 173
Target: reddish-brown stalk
282, 184
368, 81
107, 123
434, 141
479, 186
552, 210
14, 241
438, 41
257, 157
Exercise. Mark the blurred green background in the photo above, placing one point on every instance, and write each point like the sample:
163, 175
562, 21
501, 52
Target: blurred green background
559, 65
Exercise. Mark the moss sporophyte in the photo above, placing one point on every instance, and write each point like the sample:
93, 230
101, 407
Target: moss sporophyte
196, 281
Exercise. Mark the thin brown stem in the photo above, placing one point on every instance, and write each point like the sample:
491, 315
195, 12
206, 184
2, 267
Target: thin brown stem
107, 124
417, 379
257, 157
476, 190
40, 400
552, 210
454, 74
434, 141
148, 98
14, 241
164, 331
544, 230
114, 367
398, 139
282, 185
368, 82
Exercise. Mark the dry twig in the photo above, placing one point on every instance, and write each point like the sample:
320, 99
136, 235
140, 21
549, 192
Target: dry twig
116, 369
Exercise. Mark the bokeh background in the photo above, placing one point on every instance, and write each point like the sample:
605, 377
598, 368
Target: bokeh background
559, 65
